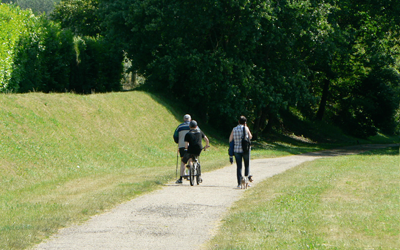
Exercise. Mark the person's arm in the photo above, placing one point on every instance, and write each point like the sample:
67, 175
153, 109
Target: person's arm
176, 136
207, 141
249, 133
231, 136
186, 145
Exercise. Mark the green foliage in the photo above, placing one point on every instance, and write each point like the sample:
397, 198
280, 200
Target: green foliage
355, 71
14, 23
225, 58
43, 58
37, 6
257, 58
78, 15
373, 103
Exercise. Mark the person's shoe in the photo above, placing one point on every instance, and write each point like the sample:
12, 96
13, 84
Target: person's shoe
179, 181
239, 187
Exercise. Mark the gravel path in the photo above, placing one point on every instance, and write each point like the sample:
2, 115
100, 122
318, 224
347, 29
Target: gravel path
177, 216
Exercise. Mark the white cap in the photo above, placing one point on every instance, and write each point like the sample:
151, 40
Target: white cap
187, 117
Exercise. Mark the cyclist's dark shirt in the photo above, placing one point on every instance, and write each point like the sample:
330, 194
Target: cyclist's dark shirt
194, 137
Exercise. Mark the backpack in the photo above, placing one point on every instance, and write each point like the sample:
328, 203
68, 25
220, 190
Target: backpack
245, 142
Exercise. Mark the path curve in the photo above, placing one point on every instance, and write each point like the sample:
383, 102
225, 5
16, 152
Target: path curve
177, 216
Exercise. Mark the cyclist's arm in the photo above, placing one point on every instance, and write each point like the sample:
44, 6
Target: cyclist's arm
186, 145
207, 141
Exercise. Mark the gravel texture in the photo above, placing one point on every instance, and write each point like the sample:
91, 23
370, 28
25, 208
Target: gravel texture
178, 216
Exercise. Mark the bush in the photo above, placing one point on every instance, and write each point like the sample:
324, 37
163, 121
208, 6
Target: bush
43, 58
14, 22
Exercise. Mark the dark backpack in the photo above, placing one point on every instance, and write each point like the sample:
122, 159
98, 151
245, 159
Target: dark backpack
245, 142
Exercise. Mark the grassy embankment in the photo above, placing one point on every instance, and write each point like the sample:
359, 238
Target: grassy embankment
66, 157
349, 202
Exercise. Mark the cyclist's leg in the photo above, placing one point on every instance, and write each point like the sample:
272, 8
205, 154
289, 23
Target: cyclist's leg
190, 161
186, 158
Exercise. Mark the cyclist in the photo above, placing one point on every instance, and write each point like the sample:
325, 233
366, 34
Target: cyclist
193, 144
179, 137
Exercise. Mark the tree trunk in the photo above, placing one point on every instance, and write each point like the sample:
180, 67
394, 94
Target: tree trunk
322, 104
259, 122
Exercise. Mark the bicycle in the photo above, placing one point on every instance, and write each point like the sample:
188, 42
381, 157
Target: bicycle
195, 170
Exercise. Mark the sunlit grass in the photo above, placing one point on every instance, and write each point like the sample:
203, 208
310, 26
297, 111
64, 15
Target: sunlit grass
66, 157
350, 202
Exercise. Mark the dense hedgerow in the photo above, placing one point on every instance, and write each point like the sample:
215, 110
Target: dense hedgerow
38, 55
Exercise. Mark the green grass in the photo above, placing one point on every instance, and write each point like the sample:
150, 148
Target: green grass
66, 157
349, 202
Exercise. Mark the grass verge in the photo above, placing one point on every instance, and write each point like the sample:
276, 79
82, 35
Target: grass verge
66, 157
349, 202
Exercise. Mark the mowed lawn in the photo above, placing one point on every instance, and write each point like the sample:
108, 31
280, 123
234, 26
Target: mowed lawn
66, 157
349, 202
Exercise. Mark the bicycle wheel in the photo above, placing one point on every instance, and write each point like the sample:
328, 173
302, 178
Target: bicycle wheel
198, 174
191, 174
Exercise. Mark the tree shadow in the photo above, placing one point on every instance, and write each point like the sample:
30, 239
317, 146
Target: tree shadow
178, 108
365, 149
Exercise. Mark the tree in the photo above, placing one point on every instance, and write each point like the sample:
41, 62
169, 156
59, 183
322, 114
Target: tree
225, 58
37, 6
359, 47
78, 15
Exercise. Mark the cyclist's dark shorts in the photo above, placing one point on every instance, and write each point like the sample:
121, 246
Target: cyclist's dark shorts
182, 152
187, 156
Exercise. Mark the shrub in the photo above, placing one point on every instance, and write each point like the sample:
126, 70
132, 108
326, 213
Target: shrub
43, 57
14, 23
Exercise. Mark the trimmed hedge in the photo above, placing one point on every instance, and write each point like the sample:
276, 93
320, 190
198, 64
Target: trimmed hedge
44, 57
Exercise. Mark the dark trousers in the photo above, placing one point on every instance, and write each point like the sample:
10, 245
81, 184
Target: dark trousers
238, 158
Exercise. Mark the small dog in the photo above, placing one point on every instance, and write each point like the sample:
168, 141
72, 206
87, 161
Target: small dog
251, 178
244, 183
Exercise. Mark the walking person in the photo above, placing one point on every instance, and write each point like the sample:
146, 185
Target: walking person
238, 132
179, 137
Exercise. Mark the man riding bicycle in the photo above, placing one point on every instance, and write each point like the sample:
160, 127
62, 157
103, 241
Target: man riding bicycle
193, 144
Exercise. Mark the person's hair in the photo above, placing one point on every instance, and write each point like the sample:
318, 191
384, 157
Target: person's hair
242, 120
193, 124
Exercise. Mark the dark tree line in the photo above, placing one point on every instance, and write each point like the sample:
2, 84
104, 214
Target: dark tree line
334, 61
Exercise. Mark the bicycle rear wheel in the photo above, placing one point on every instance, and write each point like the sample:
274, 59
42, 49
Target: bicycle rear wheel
198, 174
191, 174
